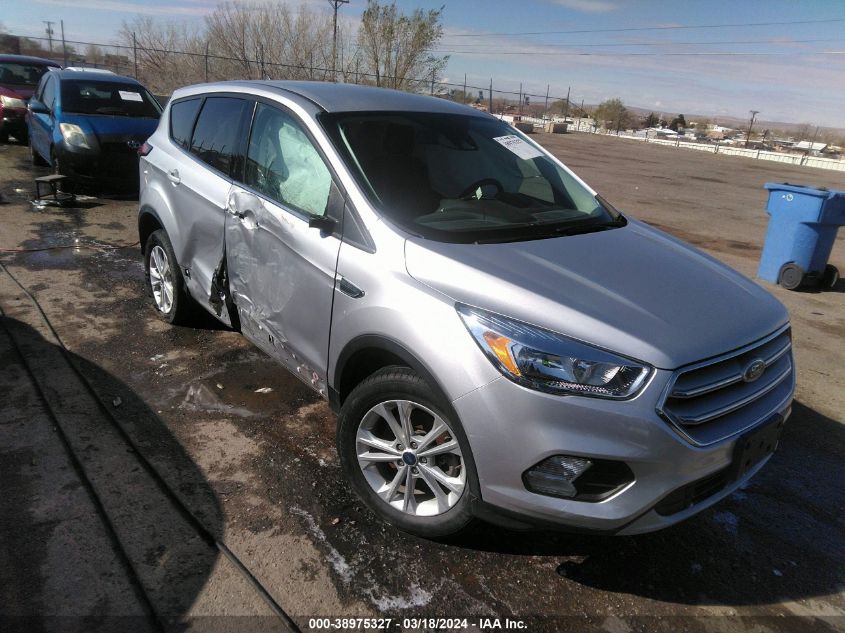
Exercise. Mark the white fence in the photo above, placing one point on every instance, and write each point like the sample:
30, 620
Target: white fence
730, 150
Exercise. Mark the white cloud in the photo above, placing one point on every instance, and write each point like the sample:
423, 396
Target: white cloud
128, 7
587, 6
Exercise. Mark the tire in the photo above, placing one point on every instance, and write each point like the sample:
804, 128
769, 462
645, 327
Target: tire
830, 277
444, 457
162, 272
4, 136
35, 157
791, 276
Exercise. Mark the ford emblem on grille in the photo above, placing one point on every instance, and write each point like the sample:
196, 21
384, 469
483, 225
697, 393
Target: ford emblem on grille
754, 370
133, 144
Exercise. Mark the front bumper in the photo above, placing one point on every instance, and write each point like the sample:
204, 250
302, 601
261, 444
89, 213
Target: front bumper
13, 121
511, 428
107, 169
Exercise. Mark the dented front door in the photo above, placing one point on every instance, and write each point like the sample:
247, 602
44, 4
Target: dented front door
281, 271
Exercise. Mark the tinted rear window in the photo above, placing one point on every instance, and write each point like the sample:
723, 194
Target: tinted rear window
182, 117
215, 136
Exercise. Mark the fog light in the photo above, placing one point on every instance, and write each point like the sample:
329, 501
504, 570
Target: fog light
556, 475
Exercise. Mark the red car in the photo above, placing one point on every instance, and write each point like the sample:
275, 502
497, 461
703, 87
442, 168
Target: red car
19, 75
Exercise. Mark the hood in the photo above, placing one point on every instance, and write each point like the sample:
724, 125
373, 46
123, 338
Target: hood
17, 91
633, 290
113, 128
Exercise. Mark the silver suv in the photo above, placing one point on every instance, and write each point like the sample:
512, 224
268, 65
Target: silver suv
498, 340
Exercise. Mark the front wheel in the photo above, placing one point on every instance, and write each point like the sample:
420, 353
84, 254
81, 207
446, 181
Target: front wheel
406, 454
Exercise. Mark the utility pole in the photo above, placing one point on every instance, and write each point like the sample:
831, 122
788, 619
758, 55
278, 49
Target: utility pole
520, 101
49, 32
64, 45
754, 113
491, 96
464, 99
566, 114
546, 107
335, 5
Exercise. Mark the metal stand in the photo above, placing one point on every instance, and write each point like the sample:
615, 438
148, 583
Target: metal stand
53, 195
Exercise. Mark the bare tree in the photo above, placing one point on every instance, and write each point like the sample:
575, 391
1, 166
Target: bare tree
169, 56
395, 48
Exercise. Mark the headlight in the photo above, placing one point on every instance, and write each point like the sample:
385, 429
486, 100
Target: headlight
11, 102
542, 360
74, 135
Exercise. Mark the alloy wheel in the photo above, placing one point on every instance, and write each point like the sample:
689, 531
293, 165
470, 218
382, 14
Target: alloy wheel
411, 458
161, 279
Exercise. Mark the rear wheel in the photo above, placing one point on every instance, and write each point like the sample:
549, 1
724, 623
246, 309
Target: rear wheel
830, 276
406, 455
4, 136
164, 280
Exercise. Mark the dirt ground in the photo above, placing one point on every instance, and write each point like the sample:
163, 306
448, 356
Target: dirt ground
146, 485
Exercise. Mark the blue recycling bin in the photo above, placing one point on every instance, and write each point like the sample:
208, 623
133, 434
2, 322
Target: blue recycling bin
802, 229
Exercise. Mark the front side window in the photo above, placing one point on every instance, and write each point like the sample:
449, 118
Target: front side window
109, 98
284, 165
48, 94
21, 74
463, 178
215, 139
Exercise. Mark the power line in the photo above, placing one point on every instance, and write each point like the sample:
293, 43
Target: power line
671, 43
653, 28
575, 54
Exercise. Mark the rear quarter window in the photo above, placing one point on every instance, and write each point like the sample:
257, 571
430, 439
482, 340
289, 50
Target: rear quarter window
182, 117
215, 139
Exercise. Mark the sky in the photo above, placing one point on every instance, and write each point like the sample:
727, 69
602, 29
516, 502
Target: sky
792, 68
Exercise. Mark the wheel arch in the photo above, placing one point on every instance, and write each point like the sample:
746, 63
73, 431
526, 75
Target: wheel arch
366, 354
148, 223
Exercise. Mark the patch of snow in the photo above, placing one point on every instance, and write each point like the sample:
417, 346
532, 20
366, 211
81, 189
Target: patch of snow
335, 558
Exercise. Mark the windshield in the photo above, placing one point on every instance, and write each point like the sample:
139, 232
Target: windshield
463, 178
21, 74
108, 98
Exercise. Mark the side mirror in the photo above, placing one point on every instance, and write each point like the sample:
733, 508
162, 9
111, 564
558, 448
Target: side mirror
322, 222
36, 107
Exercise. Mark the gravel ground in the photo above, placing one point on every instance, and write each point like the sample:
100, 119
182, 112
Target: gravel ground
258, 471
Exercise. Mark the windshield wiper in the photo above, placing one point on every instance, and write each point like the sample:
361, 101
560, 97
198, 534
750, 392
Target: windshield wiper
577, 229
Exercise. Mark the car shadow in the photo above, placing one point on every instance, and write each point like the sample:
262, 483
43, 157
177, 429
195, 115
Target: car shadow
780, 537
155, 539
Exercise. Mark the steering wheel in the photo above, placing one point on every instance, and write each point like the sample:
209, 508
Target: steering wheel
467, 194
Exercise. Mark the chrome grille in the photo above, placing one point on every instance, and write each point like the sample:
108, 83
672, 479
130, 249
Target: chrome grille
709, 401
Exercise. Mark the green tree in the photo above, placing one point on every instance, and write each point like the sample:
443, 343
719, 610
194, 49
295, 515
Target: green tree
678, 122
612, 114
651, 120
395, 47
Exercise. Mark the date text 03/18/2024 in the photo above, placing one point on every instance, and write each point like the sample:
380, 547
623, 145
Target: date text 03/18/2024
414, 624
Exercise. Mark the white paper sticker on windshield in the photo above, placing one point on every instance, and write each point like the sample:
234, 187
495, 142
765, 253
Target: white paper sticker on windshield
518, 146
130, 96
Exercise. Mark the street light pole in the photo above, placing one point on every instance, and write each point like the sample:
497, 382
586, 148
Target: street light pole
754, 113
335, 5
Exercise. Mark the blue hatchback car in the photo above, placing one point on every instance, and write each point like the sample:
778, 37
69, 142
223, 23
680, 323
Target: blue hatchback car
88, 125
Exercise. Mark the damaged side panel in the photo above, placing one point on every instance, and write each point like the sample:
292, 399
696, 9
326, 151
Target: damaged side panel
281, 276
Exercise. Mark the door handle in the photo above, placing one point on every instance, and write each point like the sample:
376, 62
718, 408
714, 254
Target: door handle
173, 175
